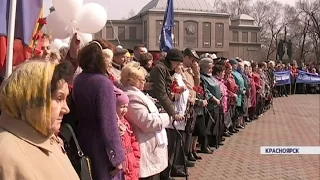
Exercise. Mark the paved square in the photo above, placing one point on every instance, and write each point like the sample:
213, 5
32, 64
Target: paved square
296, 122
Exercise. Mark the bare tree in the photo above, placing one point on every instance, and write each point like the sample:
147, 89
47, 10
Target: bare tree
131, 13
311, 11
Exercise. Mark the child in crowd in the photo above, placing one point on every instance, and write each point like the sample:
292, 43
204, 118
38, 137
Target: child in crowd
129, 142
181, 94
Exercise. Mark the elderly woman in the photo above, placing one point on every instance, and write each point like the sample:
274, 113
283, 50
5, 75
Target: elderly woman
148, 124
213, 95
94, 98
240, 94
33, 102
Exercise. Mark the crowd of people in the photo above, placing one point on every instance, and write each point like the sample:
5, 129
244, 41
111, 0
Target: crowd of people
293, 88
134, 117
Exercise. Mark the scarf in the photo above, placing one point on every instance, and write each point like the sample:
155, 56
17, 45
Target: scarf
26, 94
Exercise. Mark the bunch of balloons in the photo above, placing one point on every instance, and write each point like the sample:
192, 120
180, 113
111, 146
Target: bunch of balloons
71, 16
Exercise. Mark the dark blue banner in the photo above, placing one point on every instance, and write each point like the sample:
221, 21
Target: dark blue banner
166, 42
307, 78
282, 78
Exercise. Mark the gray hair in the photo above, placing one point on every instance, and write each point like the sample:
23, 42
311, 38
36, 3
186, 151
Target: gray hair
204, 62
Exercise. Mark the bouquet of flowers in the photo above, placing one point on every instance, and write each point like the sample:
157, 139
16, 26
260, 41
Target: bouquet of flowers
174, 87
198, 90
38, 34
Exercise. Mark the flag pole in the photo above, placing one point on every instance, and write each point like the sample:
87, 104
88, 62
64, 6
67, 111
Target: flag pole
10, 37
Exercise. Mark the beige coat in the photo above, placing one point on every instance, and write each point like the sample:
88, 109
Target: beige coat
147, 122
25, 154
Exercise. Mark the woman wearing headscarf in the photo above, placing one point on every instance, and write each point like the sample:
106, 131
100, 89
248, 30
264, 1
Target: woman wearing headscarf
33, 103
95, 103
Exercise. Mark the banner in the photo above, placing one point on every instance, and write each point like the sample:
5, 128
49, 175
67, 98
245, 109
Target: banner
282, 78
307, 78
166, 41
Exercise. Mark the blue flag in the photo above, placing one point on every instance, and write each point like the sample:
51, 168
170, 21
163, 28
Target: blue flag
27, 14
166, 42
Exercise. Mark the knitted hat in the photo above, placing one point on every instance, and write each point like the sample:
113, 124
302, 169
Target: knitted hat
121, 97
174, 55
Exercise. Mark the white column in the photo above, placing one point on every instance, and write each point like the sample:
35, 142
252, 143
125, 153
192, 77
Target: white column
10, 37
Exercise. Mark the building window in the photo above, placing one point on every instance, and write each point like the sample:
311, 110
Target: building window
244, 36
235, 36
121, 33
190, 33
145, 31
109, 33
158, 31
176, 33
132, 33
206, 34
219, 34
254, 37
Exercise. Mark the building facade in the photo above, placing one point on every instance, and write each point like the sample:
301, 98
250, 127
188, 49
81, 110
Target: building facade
196, 26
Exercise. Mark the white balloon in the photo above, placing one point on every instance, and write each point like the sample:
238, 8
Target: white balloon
66, 40
64, 45
67, 9
85, 38
56, 27
56, 44
92, 18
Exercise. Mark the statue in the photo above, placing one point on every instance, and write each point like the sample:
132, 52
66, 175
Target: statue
280, 50
289, 50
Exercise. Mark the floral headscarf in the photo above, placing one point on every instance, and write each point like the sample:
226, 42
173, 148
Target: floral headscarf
26, 94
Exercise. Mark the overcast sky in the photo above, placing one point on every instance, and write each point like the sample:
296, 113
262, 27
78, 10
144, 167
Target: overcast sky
118, 9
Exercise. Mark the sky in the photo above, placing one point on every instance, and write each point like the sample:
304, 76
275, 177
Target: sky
118, 9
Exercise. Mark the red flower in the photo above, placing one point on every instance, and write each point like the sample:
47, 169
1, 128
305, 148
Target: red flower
42, 21
36, 37
111, 77
198, 90
174, 87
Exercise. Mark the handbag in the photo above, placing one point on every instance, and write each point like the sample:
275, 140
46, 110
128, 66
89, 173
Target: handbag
80, 162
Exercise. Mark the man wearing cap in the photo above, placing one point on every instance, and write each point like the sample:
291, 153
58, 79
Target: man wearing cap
161, 78
119, 60
191, 76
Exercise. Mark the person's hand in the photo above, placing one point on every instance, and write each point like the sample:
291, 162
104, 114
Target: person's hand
182, 88
178, 117
195, 68
204, 103
116, 170
217, 101
74, 45
235, 95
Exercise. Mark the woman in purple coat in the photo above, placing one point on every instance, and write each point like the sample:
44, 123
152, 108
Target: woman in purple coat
94, 97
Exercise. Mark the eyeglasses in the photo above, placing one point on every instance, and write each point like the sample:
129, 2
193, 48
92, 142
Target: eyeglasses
143, 80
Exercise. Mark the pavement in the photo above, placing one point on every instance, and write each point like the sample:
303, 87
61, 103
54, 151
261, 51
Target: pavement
296, 122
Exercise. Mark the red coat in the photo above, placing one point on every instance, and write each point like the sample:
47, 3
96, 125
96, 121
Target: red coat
232, 87
253, 92
132, 153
